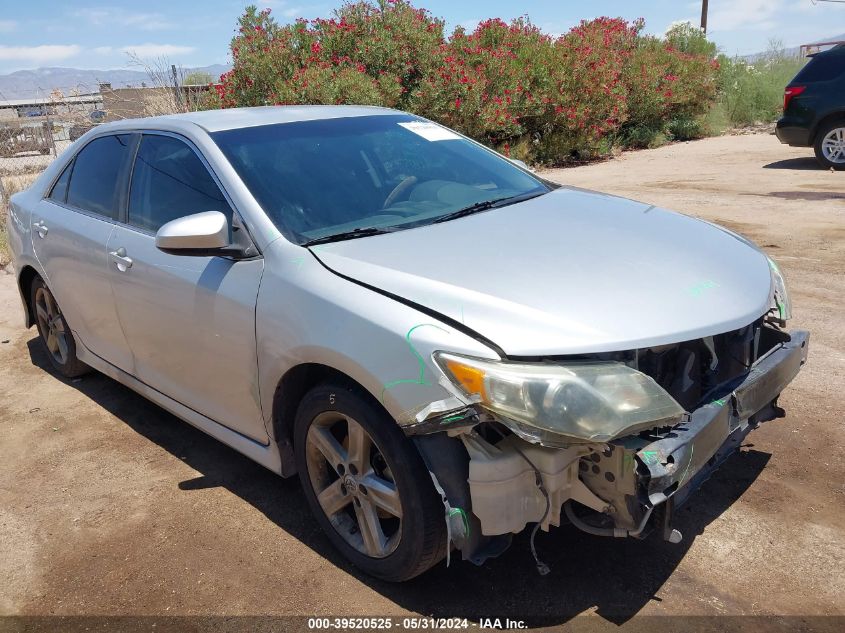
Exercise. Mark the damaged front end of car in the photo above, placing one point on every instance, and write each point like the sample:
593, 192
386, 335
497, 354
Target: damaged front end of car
611, 443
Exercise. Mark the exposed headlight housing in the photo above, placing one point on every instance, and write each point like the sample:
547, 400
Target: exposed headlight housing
782, 302
558, 404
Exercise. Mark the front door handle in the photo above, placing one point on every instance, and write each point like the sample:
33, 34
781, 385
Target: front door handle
41, 229
120, 259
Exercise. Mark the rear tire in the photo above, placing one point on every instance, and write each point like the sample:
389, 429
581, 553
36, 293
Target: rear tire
830, 146
381, 509
54, 331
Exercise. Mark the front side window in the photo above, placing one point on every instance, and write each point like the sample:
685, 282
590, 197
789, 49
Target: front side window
318, 179
95, 180
169, 181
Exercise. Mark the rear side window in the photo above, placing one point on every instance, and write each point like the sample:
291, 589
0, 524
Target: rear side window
59, 191
821, 68
94, 184
169, 181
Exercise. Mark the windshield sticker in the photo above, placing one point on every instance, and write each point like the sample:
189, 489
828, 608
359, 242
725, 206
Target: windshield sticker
430, 131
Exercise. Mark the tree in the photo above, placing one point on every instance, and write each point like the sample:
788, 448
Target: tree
197, 78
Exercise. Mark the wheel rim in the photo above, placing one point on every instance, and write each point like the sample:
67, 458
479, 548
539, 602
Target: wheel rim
52, 325
353, 484
833, 145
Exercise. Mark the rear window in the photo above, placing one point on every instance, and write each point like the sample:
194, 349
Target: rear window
94, 182
821, 68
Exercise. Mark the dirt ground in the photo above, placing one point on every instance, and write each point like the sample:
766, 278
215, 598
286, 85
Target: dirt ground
109, 505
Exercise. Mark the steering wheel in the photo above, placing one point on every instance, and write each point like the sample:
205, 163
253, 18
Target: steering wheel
398, 190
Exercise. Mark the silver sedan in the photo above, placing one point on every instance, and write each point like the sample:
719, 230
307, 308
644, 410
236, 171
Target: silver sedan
444, 346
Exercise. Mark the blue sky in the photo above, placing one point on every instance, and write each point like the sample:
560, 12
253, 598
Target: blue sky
97, 35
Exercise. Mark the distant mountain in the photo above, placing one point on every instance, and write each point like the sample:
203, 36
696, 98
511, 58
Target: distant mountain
796, 50
24, 84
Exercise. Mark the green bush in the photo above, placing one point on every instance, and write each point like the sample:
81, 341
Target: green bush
510, 86
751, 93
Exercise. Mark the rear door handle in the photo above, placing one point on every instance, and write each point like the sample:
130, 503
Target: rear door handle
41, 229
121, 260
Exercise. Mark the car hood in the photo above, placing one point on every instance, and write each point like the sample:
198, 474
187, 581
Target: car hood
569, 272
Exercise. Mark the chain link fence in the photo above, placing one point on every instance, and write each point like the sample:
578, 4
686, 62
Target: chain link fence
28, 145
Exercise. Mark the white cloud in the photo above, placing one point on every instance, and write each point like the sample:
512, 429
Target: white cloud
39, 54
157, 50
285, 9
731, 15
7, 26
293, 12
107, 16
103, 50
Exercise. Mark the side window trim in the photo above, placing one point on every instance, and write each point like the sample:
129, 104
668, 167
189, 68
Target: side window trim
126, 179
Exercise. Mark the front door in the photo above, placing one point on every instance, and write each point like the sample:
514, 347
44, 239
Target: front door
70, 231
189, 321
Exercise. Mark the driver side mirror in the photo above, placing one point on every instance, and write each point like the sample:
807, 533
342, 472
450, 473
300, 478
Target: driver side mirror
201, 234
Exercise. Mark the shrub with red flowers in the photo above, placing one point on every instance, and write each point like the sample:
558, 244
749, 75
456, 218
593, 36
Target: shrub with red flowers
508, 85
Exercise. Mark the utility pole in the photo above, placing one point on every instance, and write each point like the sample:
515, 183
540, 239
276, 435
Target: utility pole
704, 16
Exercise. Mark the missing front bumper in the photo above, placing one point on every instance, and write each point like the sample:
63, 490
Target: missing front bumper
648, 472
630, 485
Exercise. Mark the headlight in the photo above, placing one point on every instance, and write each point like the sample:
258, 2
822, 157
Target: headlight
782, 302
558, 403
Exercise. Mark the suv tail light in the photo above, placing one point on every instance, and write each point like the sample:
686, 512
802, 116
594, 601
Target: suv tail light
791, 91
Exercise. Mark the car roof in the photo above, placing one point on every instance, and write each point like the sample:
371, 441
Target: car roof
234, 118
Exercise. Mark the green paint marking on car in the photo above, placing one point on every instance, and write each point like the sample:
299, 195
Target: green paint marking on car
721, 402
650, 457
700, 288
451, 418
463, 515
420, 362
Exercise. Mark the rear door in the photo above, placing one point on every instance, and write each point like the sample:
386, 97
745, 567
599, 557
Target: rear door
189, 321
70, 231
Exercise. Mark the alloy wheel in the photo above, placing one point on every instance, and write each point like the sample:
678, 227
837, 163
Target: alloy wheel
52, 325
833, 145
354, 484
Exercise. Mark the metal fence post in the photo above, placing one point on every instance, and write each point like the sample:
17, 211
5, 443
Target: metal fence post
49, 125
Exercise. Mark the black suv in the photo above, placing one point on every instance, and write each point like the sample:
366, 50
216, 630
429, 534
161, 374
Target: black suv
814, 108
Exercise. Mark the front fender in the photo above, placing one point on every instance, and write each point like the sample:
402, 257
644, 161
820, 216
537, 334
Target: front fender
307, 314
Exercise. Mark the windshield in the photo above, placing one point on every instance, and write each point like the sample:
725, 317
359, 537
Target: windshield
350, 177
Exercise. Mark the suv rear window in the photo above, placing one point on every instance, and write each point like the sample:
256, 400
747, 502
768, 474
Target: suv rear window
95, 181
821, 68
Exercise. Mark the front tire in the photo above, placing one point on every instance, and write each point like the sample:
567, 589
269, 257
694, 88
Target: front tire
830, 146
367, 485
55, 332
